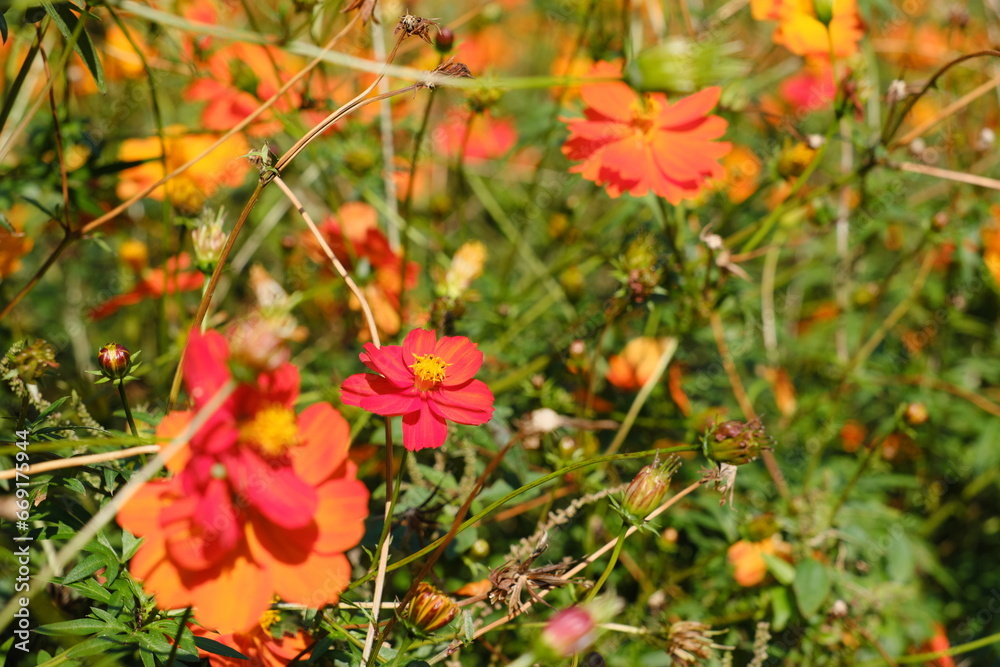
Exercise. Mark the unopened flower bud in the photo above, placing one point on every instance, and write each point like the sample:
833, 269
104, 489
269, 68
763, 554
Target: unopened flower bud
735, 442
208, 239
115, 361
824, 11
650, 485
431, 609
445, 40
570, 631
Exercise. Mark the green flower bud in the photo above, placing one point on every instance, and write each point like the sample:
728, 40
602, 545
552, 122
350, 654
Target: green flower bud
649, 487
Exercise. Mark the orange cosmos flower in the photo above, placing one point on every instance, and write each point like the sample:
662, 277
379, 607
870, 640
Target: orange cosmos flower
630, 369
748, 562
801, 32
220, 168
635, 143
13, 245
177, 276
258, 644
263, 502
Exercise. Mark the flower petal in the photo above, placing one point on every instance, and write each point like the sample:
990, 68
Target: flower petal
423, 429
388, 360
343, 507
274, 490
471, 403
233, 599
325, 438
462, 355
205, 369
376, 394
418, 342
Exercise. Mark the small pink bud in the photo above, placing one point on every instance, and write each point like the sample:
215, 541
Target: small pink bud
570, 631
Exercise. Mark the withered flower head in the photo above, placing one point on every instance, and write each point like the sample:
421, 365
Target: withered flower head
412, 25
736, 442
431, 609
690, 642
513, 578
448, 68
367, 8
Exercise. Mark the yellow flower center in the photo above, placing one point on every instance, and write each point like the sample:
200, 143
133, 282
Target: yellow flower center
429, 370
272, 429
269, 618
644, 112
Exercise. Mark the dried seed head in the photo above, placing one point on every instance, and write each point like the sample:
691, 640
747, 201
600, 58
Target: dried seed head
367, 8
411, 25
690, 642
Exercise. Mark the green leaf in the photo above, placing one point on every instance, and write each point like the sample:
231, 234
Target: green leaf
781, 605
110, 619
81, 626
93, 590
782, 570
811, 586
67, 23
130, 544
92, 646
52, 408
85, 568
218, 648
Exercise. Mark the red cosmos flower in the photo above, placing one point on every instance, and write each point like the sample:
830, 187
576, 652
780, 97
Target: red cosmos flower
633, 143
262, 502
176, 277
425, 380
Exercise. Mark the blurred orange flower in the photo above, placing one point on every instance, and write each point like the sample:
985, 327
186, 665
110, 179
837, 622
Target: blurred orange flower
634, 366
13, 245
480, 136
802, 33
748, 558
990, 235
742, 168
263, 500
220, 168
258, 644
176, 276
636, 143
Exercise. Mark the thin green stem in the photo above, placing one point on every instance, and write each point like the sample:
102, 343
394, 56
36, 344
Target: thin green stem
933, 655
128, 410
545, 479
592, 593
213, 282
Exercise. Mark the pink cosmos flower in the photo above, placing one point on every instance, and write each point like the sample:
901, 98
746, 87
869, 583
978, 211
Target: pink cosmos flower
426, 380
